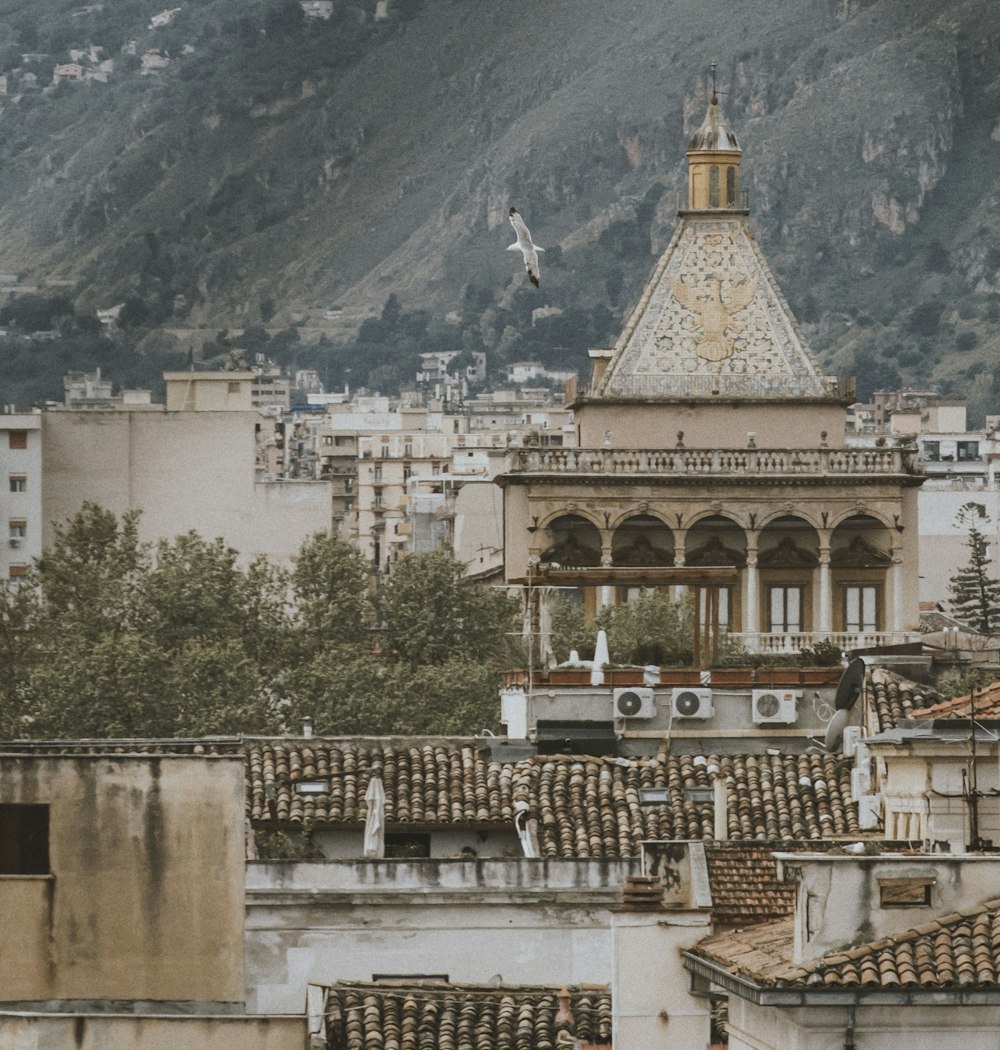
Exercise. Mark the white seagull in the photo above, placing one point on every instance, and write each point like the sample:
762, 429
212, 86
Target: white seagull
524, 245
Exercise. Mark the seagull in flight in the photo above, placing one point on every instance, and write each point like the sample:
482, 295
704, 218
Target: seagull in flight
524, 245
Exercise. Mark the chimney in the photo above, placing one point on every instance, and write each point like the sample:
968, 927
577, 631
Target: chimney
721, 829
307, 727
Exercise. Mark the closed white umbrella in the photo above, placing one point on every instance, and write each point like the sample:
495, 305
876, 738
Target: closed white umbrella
375, 818
601, 658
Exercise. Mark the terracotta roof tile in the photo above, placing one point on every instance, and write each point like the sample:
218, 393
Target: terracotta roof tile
892, 698
581, 806
987, 705
956, 950
745, 885
408, 1016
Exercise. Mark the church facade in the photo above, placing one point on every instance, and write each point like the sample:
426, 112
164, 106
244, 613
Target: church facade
711, 456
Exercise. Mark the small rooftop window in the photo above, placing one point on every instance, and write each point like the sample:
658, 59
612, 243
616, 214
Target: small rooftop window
905, 893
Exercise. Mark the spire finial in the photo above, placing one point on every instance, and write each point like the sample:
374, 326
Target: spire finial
715, 94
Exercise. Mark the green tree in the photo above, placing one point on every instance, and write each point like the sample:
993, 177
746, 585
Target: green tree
569, 631
330, 585
434, 613
975, 593
652, 629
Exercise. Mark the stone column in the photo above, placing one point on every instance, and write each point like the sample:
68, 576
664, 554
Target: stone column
825, 591
751, 617
679, 590
896, 574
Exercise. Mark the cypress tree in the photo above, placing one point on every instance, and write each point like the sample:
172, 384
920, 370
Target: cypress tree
975, 593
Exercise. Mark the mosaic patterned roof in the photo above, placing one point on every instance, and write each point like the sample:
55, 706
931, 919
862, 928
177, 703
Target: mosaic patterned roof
465, 1017
959, 950
711, 322
579, 806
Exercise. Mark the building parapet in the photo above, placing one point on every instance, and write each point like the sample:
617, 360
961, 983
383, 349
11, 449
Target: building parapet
768, 463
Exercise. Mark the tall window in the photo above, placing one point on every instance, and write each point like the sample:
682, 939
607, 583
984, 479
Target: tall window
731, 187
785, 610
861, 608
713, 186
18, 483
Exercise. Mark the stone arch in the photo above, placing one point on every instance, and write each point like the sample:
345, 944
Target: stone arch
788, 558
715, 539
860, 561
642, 540
573, 542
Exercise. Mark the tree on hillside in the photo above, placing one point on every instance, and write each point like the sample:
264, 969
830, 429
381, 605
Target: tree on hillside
975, 592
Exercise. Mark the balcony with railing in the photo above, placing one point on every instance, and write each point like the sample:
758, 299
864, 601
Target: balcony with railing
719, 462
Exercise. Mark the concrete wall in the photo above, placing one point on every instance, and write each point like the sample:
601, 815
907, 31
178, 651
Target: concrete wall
144, 900
67, 1032
530, 922
937, 1027
838, 902
652, 1007
183, 470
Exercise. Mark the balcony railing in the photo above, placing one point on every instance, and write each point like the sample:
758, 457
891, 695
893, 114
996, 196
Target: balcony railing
814, 462
763, 643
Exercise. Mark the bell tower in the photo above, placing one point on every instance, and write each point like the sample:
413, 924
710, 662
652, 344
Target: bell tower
714, 156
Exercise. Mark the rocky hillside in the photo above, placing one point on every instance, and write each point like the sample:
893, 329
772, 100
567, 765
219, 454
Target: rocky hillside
278, 167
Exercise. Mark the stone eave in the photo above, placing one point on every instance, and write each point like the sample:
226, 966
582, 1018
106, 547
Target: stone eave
582, 400
808, 995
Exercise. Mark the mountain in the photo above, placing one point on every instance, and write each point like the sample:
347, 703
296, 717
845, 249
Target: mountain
297, 170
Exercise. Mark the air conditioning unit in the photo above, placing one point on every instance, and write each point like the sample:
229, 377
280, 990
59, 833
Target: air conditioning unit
775, 706
691, 703
634, 703
860, 784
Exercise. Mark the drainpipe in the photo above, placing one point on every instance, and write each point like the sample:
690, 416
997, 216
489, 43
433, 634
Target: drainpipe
849, 1043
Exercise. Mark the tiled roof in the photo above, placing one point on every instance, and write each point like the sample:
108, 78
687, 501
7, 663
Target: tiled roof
987, 705
892, 698
582, 806
465, 1017
953, 951
745, 886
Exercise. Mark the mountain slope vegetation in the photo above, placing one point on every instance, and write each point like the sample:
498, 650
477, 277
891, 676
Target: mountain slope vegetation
295, 173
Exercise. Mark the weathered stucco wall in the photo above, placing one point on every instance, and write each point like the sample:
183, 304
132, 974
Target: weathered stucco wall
54, 1032
839, 897
707, 425
145, 895
531, 922
939, 1027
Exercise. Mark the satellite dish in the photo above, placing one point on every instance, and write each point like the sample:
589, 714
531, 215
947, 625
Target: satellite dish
835, 728
850, 685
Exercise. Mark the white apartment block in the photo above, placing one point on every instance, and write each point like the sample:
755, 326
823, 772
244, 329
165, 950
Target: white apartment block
21, 453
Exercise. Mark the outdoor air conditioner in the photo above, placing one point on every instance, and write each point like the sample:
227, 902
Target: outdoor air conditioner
849, 741
775, 706
860, 784
634, 703
691, 703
